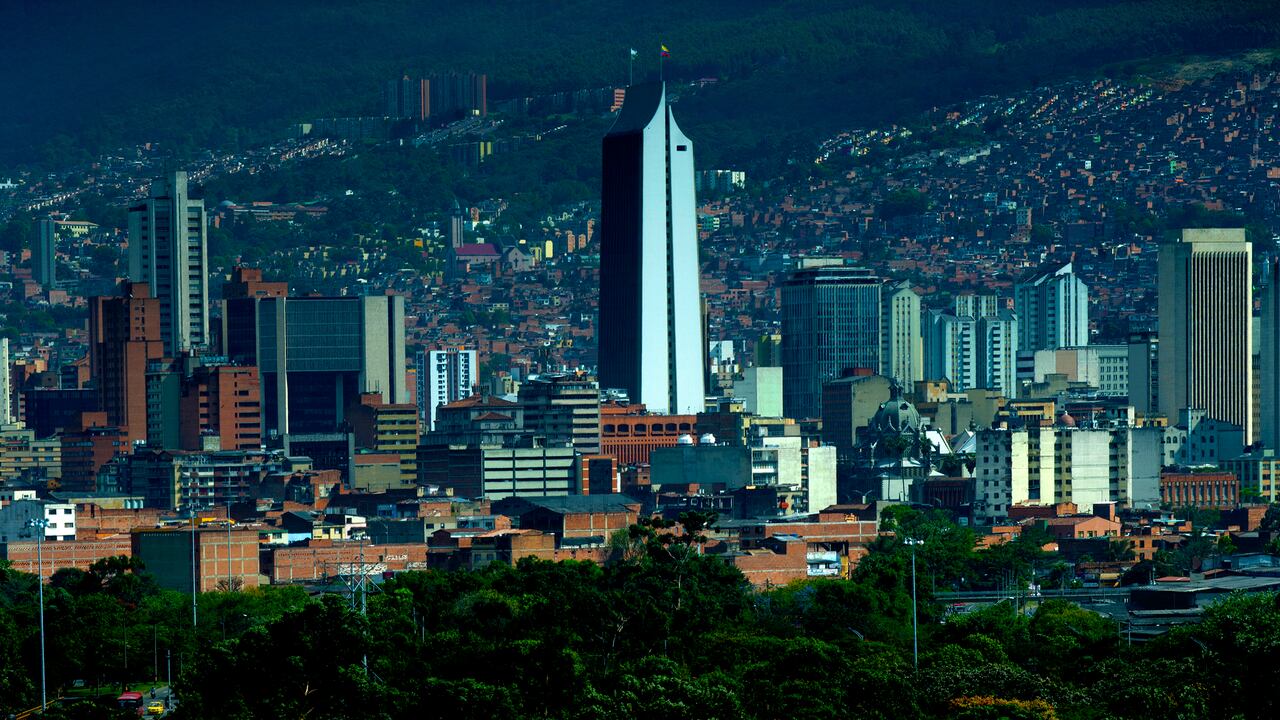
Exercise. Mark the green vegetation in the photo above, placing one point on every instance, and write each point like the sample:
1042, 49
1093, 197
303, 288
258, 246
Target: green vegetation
663, 630
232, 74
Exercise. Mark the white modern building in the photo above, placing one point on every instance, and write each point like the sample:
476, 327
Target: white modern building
650, 321
6, 391
444, 376
902, 349
60, 520
1053, 310
1047, 465
760, 391
168, 250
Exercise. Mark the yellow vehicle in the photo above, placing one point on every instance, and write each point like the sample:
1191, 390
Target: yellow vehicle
155, 708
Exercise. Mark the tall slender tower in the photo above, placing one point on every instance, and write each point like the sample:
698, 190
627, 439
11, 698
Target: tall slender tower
6, 415
1206, 326
650, 329
167, 250
45, 253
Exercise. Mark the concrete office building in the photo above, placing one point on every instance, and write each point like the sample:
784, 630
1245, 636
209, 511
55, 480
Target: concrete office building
1053, 310
1143, 369
44, 253
563, 409
494, 472
1269, 360
444, 376
316, 356
6, 387
830, 324
950, 347
902, 351
1206, 326
168, 250
976, 306
387, 428
997, 353
760, 391
650, 323
1048, 465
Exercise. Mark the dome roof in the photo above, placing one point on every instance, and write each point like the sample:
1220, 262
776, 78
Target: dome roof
1065, 419
895, 415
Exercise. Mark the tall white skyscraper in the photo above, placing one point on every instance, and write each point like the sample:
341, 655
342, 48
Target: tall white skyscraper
1206, 326
6, 392
902, 353
167, 249
1053, 311
650, 327
444, 376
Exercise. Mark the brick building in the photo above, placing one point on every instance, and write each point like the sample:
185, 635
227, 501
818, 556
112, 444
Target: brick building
629, 433
78, 554
221, 554
1211, 490
319, 559
92, 443
124, 335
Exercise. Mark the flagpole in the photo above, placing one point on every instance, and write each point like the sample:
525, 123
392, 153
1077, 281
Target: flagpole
631, 68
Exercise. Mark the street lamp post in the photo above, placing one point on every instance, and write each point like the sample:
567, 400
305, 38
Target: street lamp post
38, 525
915, 615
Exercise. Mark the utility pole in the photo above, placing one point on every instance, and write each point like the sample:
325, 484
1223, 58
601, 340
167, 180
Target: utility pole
39, 525
915, 614
195, 583
229, 586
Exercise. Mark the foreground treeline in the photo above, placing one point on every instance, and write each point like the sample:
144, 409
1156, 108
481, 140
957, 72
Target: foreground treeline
662, 632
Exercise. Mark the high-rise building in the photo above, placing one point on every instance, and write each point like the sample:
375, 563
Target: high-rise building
997, 352
902, 352
439, 97
650, 329
976, 306
563, 408
1269, 361
167, 250
6, 390
1206, 326
317, 355
950, 349
44, 253
124, 335
444, 376
1053, 310
830, 323
387, 428
1144, 371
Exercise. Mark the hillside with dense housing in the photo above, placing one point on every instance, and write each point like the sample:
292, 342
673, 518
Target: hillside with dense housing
233, 73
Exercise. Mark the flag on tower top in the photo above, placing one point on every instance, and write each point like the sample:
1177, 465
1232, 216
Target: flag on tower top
633, 52
665, 51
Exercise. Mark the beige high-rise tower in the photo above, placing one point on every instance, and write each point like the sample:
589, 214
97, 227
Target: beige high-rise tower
168, 250
1206, 326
